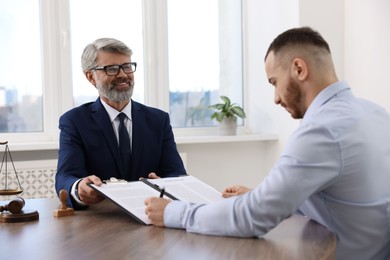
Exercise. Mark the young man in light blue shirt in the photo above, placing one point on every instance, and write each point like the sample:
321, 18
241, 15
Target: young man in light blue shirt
335, 168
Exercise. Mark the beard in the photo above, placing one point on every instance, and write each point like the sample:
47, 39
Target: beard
293, 100
110, 92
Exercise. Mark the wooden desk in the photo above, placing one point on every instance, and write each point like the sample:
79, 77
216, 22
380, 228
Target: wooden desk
104, 231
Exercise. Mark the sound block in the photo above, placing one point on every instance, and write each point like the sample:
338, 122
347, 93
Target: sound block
63, 212
23, 216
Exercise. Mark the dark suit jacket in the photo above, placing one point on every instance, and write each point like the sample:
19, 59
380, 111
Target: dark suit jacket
88, 145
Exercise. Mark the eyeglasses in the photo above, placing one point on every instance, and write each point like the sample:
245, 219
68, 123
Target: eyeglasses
113, 70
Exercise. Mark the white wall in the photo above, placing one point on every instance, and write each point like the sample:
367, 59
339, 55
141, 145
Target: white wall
367, 49
359, 34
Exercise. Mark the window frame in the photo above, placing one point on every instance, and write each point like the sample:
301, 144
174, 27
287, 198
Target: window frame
57, 72
156, 65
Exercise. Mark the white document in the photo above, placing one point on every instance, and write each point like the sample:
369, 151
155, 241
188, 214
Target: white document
131, 195
188, 188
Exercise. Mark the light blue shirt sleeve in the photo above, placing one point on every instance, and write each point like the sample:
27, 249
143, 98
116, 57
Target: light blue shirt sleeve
293, 179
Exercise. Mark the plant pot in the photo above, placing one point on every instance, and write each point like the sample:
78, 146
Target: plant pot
228, 126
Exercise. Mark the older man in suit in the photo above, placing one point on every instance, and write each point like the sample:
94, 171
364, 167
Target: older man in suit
113, 136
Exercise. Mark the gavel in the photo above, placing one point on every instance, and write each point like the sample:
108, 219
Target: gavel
15, 206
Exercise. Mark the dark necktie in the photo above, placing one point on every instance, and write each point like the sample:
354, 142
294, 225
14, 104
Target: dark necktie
124, 145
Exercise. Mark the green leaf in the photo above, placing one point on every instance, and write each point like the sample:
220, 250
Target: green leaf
219, 117
238, 111
225, 99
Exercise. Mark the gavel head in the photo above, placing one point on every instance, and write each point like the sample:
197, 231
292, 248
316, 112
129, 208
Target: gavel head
16, 205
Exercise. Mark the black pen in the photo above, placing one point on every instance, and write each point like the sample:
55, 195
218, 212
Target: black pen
162, 192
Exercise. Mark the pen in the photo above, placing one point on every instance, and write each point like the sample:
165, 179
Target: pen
162, 192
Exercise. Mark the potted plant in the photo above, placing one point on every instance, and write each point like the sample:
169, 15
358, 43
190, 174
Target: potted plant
226, 114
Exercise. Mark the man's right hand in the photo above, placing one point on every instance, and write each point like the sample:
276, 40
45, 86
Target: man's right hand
86, 193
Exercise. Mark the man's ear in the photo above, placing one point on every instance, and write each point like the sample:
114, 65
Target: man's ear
299, 69
91, 77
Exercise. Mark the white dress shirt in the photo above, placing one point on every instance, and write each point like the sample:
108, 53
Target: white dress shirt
113, 114
335, 169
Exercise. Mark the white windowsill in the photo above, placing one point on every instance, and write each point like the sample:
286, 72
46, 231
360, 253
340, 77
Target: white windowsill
225, 139
53, 145
33, 146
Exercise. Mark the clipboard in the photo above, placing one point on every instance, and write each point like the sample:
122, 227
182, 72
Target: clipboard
130, 196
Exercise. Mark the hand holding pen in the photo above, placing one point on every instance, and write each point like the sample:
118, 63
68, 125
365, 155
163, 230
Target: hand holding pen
155, 208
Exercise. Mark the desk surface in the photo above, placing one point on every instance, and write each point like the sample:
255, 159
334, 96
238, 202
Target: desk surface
104, 231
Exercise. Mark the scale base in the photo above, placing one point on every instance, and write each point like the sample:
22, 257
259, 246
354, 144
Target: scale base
24, 216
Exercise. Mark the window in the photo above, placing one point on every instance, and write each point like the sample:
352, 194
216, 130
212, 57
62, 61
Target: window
189, 52
21, 101
205, 58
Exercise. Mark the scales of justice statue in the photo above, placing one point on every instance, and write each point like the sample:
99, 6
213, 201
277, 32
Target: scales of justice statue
13, 211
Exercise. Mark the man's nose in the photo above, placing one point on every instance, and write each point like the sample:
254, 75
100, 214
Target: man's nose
276, 98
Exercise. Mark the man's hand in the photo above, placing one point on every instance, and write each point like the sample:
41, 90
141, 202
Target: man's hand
153, 175
155, 210
86, 193
234, 191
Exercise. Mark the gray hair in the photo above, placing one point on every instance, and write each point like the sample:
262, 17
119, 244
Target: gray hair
88, 58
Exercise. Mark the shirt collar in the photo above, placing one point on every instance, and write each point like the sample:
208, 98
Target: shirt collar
324, 96
113, 113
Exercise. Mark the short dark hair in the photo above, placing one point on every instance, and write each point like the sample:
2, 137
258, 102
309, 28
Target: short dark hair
297, 36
